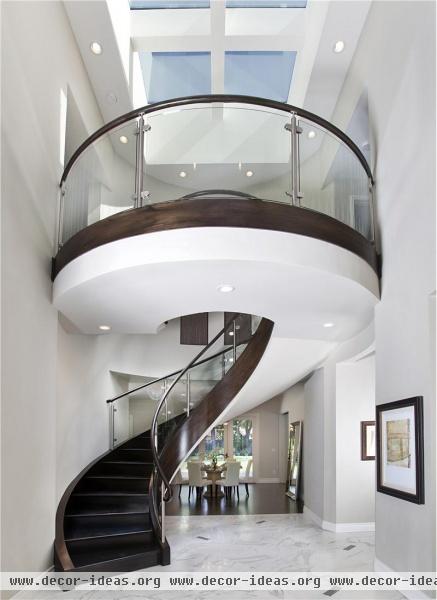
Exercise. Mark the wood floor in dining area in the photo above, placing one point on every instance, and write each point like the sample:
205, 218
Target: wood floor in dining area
263, 499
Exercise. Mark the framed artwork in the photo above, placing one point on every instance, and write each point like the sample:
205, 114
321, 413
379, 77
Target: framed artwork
399, 449
368, 439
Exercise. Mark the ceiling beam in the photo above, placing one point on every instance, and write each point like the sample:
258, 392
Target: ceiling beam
218, 23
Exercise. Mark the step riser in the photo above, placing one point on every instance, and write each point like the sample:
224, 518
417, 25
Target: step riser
126, 469
105, 543
139, 442
126, 564
75, 527
137, 486
116, 504
129, 454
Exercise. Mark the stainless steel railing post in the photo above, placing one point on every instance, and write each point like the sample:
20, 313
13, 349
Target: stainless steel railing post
234, 342
372, 214
140, 194
188, 393
162, 513
61, 215
295, 131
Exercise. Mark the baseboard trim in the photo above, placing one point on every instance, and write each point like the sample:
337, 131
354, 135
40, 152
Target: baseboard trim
339, 527
381, 567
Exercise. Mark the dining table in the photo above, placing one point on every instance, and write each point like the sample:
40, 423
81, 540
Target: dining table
214, 474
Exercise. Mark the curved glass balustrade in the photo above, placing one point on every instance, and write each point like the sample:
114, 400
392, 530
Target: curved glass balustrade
257, 148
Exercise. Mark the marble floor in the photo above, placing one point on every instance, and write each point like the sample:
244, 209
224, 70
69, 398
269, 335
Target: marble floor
251, 543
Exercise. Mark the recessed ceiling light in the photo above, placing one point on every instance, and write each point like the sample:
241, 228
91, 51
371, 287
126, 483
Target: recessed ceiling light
231, 333
311, 134
249, 173
183, 394
182, 174
225, 288
123, 139
338, 47
111, 98
104, 327
328, 325
96, 48
169, 412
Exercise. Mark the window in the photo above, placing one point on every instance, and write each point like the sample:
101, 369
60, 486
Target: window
242, 441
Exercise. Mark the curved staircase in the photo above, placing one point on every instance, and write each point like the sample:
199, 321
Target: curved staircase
110, 517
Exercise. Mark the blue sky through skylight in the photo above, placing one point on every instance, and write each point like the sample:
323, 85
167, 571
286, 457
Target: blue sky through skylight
266, 3
160, 4
173, 74
263, 74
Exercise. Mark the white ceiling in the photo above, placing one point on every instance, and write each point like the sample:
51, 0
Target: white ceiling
311, 32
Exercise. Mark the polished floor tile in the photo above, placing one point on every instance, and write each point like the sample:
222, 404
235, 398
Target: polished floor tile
266, 542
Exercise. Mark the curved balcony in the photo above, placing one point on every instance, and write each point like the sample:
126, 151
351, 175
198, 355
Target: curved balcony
230, 161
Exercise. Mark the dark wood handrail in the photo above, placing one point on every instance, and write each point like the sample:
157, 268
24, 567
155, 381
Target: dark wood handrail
218, 98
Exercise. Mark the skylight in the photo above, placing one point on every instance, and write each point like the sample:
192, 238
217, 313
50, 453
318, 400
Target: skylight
266, 3
165, 4
173, 74
262, 74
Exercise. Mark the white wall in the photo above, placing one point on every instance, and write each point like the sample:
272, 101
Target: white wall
313, 443
31, 169
395, 63
355, 478
293, 402
331, 413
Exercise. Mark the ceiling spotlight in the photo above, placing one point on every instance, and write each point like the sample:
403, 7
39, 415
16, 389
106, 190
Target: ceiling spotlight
96, 48
182, 174
311, 134
183, 394
327, 325
231, 332
225, 288
169, 412
249, 173
111, 98
123, 139
104, 327
338, 47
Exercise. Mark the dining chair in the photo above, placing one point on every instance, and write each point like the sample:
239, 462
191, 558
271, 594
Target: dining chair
247, 474
178, 480
232, 477
195, 478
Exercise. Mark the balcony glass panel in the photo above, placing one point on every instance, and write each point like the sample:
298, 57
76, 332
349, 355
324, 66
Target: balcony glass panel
332, 180
233, 148
217, 147
102, 181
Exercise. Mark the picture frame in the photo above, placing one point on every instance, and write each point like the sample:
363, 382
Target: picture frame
399, 449
368, 440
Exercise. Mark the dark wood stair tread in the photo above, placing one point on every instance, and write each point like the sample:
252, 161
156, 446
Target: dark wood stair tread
94, 512
109, 533
126, 462
117, 477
